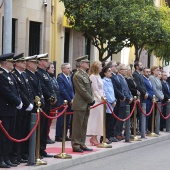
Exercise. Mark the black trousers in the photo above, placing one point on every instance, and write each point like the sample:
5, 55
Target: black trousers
43, 132
119, 124
8, 123
109, 125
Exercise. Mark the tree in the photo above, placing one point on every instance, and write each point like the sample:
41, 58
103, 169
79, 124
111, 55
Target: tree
162, 47
114, 24
97, 20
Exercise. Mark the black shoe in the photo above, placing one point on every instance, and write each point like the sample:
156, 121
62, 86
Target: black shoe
10, 163
49, 141
48, 156
58, 139
4, 165
15, 162
113, 139
68, 139
86, 149
77, 150
147, 132
138, 133
23, 160
41, 157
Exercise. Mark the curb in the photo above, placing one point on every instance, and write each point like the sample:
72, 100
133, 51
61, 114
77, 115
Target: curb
66, 163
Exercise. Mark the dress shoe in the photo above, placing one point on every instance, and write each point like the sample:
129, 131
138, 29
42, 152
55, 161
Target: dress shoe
113, 139
107, 140
23, 160
4, 165
49, 141
15, 162
58, 139
48, 156
77, 150
138, 133
10, 163
120, 137
86, 149
68, 139
147, 132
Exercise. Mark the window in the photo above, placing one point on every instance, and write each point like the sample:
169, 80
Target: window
34, 38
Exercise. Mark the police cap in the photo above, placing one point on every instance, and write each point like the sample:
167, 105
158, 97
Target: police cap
83, 59
43, 56
31, 58
19, 57
7, 57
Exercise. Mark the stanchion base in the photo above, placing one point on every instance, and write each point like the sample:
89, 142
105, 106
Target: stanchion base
104, 145
63, 156
153, 135
40, 162
135, 138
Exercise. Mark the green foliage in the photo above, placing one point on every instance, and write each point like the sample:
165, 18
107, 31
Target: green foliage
114, 24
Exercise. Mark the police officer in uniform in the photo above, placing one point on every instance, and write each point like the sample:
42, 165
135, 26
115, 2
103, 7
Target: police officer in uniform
49, 99
82, 101
10, 101
31, 65
23, 116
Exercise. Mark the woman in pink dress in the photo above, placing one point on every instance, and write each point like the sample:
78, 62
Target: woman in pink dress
95, 121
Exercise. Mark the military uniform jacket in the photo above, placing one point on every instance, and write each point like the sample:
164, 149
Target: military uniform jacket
83, 91
9, 94
25, 88
47, 87
35, 84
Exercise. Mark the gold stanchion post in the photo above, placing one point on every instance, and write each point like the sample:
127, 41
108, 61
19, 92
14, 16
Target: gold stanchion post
63, 155
152, 134
134, 137
38, 160
104, 144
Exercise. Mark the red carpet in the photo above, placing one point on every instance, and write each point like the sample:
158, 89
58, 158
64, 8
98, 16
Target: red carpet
67, 150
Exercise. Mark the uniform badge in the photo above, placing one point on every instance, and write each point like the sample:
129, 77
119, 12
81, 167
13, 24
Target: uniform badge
45, 76
1, 72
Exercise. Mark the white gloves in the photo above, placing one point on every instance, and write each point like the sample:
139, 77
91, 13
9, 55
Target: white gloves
30, 107
20, 106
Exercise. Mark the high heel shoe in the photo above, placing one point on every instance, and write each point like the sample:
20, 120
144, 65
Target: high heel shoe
93, 143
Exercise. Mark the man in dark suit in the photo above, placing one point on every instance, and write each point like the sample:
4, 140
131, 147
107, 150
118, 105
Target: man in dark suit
66, 93
138, 78
49, 99
148, 101
166, 92
10, 101
23, 116
118, 94
122, 72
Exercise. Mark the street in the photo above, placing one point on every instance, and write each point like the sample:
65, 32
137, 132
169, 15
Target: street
151, 157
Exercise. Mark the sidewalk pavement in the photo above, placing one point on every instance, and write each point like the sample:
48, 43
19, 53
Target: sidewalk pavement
79, 158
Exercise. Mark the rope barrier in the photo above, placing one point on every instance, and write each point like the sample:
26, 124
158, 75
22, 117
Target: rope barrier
20, 140
161, 112
57, 108
122, 120
50, 117
143, 111
163, 104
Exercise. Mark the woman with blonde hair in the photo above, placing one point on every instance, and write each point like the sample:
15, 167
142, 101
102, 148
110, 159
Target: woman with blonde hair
95, 121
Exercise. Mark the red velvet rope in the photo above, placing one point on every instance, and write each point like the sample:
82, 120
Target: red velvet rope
20, 140
161, 112
53, 110
122, 120
163, 104
143, 111
50, 117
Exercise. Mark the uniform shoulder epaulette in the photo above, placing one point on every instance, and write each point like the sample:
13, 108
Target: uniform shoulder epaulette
1, 72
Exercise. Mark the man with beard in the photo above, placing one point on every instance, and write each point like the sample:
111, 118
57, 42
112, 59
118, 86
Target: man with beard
148, 101
138, 78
